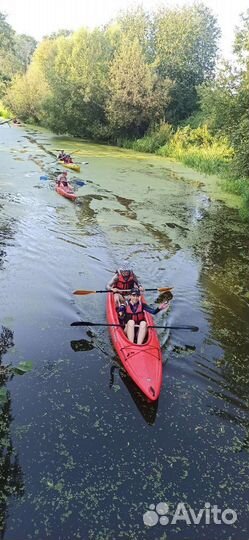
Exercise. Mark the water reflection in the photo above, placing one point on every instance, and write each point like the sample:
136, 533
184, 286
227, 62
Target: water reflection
11, 478
147, 409
81, 345
6, 237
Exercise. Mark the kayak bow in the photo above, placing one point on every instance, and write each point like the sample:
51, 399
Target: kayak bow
71, 166
142, 362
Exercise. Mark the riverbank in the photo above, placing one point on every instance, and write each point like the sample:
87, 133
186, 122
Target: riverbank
199, 150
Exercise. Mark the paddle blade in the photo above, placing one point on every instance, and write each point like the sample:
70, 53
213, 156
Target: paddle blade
165, 289
82, 323
82, 292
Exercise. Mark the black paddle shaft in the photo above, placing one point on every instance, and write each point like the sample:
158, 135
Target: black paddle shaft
182, 327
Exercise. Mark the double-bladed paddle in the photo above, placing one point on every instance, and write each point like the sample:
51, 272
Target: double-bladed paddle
84, 292
179, 327
6, 121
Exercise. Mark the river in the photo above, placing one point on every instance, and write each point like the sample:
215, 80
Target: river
82, 453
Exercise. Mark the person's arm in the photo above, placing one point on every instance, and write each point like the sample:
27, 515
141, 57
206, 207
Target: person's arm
154, 311
138, 284
111, 284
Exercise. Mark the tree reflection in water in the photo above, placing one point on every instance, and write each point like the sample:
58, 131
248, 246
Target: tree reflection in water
11, 481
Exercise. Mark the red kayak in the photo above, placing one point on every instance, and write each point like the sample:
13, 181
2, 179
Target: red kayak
66, 191
142, 362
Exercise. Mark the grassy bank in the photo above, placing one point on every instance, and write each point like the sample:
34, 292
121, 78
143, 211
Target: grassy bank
199, 149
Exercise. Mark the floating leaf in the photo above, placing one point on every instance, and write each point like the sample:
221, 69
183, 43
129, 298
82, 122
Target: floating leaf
3, 395
23, 367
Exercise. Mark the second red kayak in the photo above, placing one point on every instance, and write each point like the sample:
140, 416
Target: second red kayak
142, 362
66, 191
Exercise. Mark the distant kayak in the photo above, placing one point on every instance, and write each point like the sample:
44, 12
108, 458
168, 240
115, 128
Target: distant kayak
142, 362
71, 166
66, 191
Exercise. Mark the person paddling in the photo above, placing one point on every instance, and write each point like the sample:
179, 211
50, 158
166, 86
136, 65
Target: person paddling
122, 282
61, 155
67, 159
62, 180
134, 316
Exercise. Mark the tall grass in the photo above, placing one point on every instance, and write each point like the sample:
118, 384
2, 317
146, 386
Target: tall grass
207, 159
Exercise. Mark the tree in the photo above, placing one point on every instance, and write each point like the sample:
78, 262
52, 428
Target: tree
186, 47
137, 96
218, 100
6, 34
6, 53
24, 47
27, 95
240, 133
15, 53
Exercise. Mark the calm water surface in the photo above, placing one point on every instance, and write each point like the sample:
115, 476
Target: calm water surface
82, 453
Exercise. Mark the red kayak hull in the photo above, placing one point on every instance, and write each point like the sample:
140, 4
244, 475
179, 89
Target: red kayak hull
66, 192
142, 362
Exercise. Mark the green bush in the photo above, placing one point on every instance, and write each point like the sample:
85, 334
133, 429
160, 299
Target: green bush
4, 112
197, 148
239, 186
154, 140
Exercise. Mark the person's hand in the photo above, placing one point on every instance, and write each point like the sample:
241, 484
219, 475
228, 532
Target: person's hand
141, 288
164, 305
114, 289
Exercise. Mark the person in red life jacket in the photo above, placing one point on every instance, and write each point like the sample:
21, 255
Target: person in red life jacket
134, 316
121, 284
63, 181
67, 159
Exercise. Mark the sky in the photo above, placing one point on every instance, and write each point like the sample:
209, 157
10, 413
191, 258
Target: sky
42, 17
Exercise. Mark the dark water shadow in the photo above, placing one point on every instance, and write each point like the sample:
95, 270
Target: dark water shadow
11, 477
81, 345
147, 409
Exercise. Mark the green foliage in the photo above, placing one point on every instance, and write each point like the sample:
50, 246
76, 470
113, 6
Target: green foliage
186, 48
154, 140
15, 53
135, 24
6, 34
4, 112
27, 94
116, 81
137, 97
24, 47
239, 186
197, 148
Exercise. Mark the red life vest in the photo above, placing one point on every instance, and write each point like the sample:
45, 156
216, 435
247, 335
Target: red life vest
138, 316
125, 283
